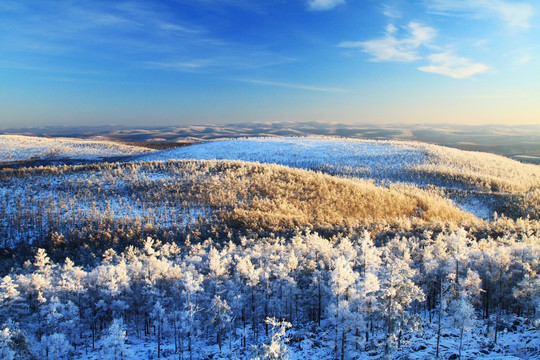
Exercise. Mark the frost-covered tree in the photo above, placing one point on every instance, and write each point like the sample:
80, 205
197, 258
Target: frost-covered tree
158, 314
436, 264
369, 261
397, 292
318, 257
527, 291
494, 266
71, 282
192, 283
343, 281
6, 352
461, 304
114, 345
277, 348
250, 276
9, 297
221, 317
55, 346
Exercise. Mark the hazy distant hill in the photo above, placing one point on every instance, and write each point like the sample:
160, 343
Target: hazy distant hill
17, 148
520, 142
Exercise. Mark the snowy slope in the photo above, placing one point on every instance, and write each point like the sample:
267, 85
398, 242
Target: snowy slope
372, 159
18, 148
416, 162
476, 179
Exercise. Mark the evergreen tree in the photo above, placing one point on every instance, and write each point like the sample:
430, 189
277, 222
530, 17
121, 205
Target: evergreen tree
397, 292
114, 345
6, 352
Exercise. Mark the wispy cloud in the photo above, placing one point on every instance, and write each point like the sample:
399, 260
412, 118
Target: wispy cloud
515, 14
123, 35
191, 66
453, 66
324, 4
83, 25
291, 85
495, 96
520, 56
391, 12
390, 48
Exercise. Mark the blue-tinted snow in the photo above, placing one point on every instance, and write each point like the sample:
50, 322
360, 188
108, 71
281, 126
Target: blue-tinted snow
18, 148
379, 160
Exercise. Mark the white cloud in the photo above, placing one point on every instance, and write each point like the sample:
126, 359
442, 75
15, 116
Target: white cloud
515, 14
453, 66
495, 96
291, 85
389, 48
324, 4
391, 28
178, 66
522, 60
391, 12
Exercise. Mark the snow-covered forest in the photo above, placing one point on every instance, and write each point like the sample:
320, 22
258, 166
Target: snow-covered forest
124, 202
358, 252
410, 296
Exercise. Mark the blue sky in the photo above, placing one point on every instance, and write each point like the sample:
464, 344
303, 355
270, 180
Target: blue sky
219, 61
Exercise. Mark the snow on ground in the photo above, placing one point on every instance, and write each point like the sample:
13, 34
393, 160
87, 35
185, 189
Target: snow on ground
367, 159
18, 148
419, 163
416, 162
521, 344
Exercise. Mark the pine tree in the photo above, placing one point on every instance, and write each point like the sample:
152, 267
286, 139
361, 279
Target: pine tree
158, 314
343, 280
277, 348
221, 317
461, 305
114, 345
9, 297
192, 282
397, 292
6, 352
55, 346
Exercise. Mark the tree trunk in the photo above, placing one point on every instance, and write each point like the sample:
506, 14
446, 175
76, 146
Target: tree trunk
439, 322
497, 319
460, 341
343, 344
159, 340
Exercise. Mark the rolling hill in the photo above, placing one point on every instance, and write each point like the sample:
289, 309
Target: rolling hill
18, 148
478, 182
236, 248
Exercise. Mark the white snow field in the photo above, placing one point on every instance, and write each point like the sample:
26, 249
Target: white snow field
476, 176
20, 148
380, 160
371, 159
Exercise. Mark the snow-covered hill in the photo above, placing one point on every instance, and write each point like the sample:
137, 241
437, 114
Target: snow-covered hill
475, 180
20, 148
373, 159
380, 160
232, 259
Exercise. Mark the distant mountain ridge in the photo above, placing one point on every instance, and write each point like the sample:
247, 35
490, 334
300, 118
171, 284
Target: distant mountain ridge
519, 142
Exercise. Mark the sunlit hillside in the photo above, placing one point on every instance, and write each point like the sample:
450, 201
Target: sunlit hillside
478, 182
294, 248
379, 160
100, 202
15, 148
